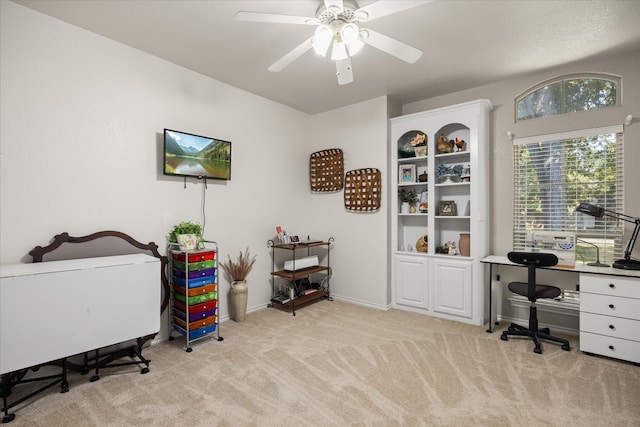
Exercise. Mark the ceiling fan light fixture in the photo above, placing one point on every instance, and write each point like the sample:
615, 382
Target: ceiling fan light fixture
322, 40
349, 33
355, 46
339, 51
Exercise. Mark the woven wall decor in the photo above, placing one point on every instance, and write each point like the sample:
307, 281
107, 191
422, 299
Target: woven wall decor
326, 170
362, 190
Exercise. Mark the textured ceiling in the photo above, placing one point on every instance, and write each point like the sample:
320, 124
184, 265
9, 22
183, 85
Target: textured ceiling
465, 43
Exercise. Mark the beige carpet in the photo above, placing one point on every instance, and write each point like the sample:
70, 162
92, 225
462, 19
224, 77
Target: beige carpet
338, 364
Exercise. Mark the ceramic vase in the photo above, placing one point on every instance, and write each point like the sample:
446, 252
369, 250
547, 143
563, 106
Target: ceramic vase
465, 244
238, 300
404, 208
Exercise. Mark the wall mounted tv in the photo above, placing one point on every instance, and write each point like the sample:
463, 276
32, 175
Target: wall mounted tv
186, 154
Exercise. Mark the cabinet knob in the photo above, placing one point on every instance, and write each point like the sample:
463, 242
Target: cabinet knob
612, 306
611, 285
611, 327
611, 347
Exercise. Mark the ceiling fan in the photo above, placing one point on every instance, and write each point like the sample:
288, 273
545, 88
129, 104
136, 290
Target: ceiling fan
338, 26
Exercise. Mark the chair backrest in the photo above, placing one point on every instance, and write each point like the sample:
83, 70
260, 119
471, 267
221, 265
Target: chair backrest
538, 259
532, 260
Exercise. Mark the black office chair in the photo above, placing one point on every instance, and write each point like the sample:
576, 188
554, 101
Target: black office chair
533, 291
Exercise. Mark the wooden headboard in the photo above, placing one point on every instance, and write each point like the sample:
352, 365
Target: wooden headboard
104, 243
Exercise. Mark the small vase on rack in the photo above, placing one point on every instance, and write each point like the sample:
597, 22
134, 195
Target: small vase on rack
465, 244
404, 208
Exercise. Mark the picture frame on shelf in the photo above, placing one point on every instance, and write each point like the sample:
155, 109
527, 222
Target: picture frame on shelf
407, 173
447, 208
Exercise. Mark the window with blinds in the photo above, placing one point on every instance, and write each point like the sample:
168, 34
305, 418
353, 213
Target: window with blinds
555, 173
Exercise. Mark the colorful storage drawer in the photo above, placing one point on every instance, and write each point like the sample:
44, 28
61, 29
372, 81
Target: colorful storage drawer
196, 333
194, 316
196, 308
210, 263
194, 325
196, 291
195, 274
195, 299
194, 257
194, 283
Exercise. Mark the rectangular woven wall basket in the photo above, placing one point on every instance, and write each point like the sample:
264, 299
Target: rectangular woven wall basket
326, 170
362, 190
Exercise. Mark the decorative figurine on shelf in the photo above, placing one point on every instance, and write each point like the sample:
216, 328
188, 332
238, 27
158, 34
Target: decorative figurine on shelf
422, 245
453, 250
459, 145
466, 173
443, 146
419, 144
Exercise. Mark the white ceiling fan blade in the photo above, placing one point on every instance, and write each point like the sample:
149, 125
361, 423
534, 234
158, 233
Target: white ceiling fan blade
274, 18
296, 53
391, 46
344, 71
383, 8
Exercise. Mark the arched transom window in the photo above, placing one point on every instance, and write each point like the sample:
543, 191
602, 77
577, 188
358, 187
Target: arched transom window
568, 94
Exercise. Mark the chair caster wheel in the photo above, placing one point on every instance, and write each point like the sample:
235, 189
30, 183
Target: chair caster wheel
566, 347
537, 350
503, 337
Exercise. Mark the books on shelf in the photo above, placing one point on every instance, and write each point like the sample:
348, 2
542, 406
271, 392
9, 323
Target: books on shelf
282, 299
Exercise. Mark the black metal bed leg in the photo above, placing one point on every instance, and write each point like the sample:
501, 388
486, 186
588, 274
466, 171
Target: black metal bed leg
137, 351
6, 391
96, 376
64, 385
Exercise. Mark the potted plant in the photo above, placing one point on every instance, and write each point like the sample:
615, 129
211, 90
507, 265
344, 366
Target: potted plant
409, 199
187, 234
238, 270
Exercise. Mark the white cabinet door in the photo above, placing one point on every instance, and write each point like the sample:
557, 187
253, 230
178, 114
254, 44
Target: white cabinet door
412, 286
451, 285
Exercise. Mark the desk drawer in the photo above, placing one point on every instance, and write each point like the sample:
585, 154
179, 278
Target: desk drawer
610, 326
610, 285
611, 347
610, 306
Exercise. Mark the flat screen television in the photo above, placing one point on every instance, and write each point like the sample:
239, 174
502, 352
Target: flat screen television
186, 154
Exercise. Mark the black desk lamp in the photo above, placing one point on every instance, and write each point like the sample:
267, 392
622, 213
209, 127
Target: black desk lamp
596, 211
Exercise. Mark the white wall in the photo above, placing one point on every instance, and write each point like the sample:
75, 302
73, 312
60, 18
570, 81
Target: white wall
80, 147
359, 258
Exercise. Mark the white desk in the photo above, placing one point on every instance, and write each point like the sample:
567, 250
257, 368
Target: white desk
609, 308
52, 310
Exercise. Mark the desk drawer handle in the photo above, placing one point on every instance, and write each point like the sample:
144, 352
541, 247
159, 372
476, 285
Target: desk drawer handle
612, 286
611, 306
611, 347
611, 327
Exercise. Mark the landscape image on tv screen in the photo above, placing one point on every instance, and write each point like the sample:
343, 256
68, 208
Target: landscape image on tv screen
186, 154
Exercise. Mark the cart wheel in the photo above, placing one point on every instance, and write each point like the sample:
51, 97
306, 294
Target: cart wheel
220, 339
189, 350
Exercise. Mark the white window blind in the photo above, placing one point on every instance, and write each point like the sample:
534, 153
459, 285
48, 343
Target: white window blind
555, 173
